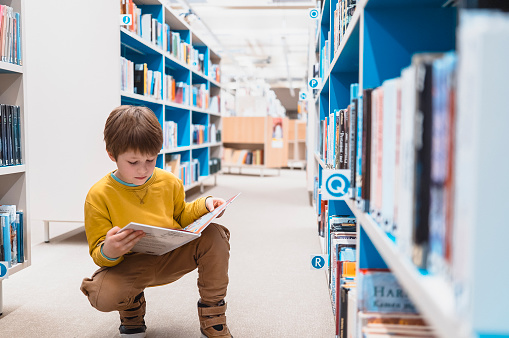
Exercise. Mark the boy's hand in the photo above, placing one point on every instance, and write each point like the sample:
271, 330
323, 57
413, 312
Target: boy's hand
213, 202
117, 244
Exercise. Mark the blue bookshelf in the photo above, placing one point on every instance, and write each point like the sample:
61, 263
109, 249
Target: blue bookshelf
381, 38
184, 66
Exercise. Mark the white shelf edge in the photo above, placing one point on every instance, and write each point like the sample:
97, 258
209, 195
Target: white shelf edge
432, 295
10, 67
13, 169
18, 267
141, 97
320, 161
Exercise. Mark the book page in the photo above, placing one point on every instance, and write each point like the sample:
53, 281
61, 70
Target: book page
201, 223
158, 241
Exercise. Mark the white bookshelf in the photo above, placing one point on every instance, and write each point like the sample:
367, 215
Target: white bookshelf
15, 179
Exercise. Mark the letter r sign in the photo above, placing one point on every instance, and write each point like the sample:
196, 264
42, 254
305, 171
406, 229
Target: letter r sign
319, 262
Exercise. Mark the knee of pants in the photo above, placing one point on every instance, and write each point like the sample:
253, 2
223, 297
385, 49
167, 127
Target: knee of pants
104, 295
216, 234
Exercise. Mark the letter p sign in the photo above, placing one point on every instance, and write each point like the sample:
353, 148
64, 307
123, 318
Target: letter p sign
4, 270
319, 262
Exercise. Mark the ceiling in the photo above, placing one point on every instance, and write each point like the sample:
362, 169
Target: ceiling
267, 39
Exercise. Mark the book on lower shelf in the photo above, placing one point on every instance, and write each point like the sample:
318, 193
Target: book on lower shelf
10, 135
158, 240
11, 235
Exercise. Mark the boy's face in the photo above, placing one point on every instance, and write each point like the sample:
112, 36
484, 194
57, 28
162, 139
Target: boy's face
134, 167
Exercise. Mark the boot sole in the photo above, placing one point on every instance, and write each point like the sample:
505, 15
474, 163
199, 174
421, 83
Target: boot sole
204, 336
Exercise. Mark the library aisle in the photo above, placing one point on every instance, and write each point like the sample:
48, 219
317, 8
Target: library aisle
272, 292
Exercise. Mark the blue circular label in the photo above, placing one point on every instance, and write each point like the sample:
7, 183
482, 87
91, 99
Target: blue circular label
337, 185
3, 270
303, 96
318, 262
313, 13
313, 83
126, 19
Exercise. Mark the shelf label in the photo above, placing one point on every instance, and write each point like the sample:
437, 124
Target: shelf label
335, 184
4, 270
313, 83
126, 19
319, 262
313, 13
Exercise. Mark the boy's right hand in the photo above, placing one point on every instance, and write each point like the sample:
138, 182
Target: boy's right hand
118, 243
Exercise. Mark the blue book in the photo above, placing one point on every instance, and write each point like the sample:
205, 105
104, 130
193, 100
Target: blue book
5, 225
21, 234
11, 255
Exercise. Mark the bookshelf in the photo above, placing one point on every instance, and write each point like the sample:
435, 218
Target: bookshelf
14, 178
381, 38
297, 143
255, 133
187, 93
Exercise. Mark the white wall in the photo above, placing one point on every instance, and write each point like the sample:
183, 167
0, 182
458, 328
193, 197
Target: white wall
73, 77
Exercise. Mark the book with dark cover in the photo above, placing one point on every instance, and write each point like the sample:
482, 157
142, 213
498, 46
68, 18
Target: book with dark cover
10, 158
423, 145
21, 234
3, 122
366, 147
342, 139
2, 141
139, 79
343, 312
346, 150
353, 147
337, 142
15, 138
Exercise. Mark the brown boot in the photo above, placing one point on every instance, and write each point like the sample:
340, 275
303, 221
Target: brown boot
213, 320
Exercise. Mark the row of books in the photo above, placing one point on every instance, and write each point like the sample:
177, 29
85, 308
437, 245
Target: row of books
187, 171
10, 35
214, 165
138, 79
342, 16
10, 135
199, 132
337, 131
214, 133
325, 57
215, 72
170, 134
160, 34
398, 142
11, 235
200, 96
243, 156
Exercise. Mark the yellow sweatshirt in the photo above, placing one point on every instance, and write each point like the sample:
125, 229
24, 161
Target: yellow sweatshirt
158, 202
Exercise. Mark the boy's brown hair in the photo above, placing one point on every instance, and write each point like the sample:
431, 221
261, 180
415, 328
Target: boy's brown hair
132, 128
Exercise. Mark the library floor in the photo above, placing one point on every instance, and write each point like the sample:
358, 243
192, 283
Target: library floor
272, 291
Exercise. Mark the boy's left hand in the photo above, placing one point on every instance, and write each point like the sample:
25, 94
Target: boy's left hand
213, 202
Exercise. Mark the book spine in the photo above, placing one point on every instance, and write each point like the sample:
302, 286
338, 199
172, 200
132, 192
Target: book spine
353, 147
366, 149
422, 165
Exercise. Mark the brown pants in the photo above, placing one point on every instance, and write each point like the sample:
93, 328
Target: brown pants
115, 288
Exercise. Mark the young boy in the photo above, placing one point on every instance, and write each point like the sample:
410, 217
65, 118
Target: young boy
139, 192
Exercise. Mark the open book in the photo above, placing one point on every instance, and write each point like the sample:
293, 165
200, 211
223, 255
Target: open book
158, 241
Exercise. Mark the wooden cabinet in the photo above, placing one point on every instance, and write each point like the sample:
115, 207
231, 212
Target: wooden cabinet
265, 137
